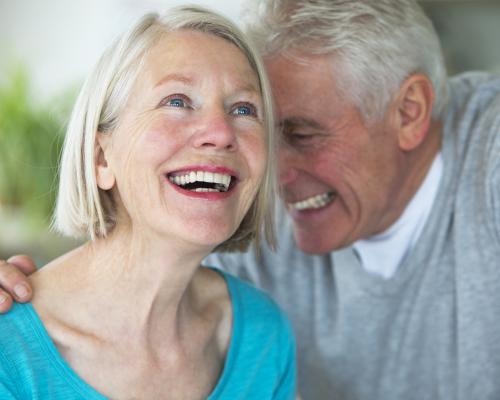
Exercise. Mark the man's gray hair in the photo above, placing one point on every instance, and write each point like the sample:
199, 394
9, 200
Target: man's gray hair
375, 44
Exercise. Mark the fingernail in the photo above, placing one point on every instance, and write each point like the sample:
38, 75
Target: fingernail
3, 298
21, 290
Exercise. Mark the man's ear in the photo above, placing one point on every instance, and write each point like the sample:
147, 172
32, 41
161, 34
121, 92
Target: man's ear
104, 174
414, 110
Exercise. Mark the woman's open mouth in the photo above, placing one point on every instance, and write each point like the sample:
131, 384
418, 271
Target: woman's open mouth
203, 181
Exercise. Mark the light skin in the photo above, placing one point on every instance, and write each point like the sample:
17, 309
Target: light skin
373, 169
370, 171
189, 109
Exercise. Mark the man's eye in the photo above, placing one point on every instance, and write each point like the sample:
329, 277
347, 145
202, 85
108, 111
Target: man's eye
245, 109
300, 139
297, 137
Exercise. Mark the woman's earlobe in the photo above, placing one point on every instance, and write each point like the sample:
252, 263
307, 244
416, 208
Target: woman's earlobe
104, 174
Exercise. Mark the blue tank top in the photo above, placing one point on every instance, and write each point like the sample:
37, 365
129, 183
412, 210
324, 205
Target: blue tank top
260, 363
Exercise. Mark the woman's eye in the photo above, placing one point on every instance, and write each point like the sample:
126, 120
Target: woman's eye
245, 109
176, 103
175, 100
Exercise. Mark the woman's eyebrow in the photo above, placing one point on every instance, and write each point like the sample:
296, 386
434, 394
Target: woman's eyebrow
175, 77
243, 87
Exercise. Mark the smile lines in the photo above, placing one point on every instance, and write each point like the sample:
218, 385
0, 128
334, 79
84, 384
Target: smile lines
313, 202
202, 181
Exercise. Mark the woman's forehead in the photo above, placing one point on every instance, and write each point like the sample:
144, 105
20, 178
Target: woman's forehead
192, 54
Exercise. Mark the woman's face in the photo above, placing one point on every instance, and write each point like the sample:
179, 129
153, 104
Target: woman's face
189, 151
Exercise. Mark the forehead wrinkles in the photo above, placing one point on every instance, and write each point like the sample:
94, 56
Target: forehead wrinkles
190, 53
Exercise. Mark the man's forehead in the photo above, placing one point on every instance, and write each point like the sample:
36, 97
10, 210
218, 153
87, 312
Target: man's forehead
303, 55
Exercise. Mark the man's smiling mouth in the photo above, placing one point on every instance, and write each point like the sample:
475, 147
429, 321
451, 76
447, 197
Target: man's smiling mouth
203, 181
314, 202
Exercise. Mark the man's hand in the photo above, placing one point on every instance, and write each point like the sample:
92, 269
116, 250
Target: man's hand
14, 284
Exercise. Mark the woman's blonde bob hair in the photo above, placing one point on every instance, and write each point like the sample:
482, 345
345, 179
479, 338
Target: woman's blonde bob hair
82, 208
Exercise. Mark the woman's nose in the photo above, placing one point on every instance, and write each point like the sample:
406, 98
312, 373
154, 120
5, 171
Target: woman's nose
216, 131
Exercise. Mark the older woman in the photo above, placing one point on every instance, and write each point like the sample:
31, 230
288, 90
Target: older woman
165, 160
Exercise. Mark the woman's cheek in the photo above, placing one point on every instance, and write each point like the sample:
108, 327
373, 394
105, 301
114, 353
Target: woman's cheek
258, 154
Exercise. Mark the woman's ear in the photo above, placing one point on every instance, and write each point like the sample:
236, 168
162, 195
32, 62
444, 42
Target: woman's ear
104, 174
414, 110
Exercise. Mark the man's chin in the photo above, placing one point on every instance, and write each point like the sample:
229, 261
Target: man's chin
311, 245
311, 241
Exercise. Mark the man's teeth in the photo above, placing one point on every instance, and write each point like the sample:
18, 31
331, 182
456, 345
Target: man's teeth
314, 202
218, 182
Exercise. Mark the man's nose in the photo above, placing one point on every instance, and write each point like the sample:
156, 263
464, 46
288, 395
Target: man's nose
215, 131
287, 171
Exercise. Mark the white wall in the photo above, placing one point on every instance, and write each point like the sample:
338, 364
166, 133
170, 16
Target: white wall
59, 40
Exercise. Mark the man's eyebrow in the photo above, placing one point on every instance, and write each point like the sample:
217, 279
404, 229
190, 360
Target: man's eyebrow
295, 122
175, 77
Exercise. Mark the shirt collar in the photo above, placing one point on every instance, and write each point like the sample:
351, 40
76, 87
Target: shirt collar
383, 253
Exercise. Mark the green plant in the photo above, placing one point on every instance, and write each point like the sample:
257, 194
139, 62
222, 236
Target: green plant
31, 137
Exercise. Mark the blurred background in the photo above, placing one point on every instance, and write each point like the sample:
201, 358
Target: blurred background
46, 49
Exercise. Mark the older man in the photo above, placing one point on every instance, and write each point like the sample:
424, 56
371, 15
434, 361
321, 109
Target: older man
389, 258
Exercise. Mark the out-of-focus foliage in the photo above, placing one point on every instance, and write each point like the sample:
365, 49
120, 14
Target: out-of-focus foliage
31, 137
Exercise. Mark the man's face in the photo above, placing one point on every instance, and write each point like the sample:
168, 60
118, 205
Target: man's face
339, 177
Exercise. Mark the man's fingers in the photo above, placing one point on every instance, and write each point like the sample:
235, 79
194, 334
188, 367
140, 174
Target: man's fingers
24, 263
5, 302
14, 281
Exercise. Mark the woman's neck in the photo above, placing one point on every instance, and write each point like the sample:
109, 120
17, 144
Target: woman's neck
142, 309
126, 278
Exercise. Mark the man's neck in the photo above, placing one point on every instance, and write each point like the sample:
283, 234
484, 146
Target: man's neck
383, 253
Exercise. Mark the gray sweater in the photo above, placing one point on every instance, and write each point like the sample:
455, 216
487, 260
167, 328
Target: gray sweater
432, 331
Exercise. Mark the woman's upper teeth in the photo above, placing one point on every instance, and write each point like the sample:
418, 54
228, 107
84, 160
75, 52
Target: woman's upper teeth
219, 181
